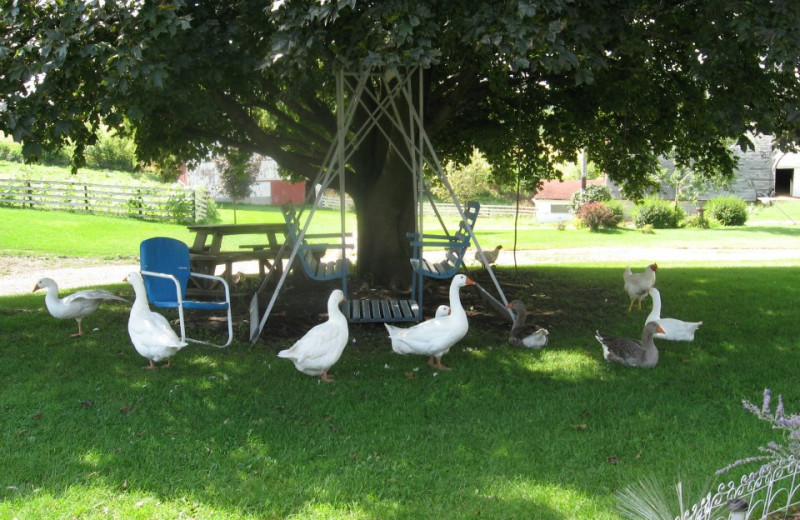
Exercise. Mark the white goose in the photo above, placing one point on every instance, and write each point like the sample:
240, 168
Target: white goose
434, 337
322, 346
675, 330
442, 310
151, 334
76, 305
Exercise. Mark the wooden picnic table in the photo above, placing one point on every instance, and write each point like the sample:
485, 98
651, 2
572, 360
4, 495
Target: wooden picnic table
206, 252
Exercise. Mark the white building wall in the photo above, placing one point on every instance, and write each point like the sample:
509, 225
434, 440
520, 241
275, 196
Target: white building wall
205, 175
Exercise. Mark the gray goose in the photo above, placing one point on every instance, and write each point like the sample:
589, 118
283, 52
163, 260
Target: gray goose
632, 352
522, 335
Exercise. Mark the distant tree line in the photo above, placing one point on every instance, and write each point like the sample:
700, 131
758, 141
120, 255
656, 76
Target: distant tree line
110, 152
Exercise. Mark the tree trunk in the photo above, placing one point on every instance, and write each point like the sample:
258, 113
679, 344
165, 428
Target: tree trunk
385, 211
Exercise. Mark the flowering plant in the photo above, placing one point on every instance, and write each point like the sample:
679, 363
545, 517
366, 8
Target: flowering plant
596, 215
773, 451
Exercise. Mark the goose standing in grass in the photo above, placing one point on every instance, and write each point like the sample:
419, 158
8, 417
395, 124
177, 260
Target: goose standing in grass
77, 305
632, 352
674, 330
441, 310
522, 335
491, 256
433, 338
322, 346
151, 334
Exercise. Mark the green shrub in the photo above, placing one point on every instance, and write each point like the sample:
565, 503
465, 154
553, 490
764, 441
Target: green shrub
212, 212
596, 215
592, 193
10, 151
112, 152
180, 206
617, 212
728, 211
658, 213
695, 221
60, 157
469, 181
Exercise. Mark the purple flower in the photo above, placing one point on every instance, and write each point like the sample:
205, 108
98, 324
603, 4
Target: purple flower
750, 407
773, 451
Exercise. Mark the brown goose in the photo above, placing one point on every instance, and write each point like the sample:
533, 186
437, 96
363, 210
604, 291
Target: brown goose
522, 335
632, 352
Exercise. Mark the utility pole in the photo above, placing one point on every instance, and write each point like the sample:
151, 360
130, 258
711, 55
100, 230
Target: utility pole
583, 169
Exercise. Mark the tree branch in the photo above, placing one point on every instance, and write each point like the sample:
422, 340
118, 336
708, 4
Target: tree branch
454, 94
262, 142
310, 109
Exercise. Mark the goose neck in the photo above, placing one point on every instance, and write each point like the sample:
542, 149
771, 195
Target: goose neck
334, 312
52, 293
656, 312
455, 300
141, 295
519, 320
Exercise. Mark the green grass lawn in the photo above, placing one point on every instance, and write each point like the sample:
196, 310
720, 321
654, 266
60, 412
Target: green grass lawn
240, 434
80, 235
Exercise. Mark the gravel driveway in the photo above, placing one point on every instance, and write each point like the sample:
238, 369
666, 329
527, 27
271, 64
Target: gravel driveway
19, 274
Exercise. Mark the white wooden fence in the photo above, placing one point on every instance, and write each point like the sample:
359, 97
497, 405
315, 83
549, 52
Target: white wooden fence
765, 492
145, 202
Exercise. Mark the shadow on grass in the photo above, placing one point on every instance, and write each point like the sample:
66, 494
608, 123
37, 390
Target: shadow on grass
787, 231
506, 433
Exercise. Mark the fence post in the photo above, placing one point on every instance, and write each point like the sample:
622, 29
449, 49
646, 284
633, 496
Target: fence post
86, 198
30, 193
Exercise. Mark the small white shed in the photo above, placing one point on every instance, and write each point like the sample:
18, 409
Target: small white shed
552, 201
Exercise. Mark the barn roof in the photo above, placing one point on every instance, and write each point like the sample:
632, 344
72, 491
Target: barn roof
563, 190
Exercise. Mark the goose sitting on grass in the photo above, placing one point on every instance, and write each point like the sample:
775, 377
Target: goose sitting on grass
674, 330
522, 335
632, 352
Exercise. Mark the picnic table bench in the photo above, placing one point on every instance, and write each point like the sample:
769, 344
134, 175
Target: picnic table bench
206, 252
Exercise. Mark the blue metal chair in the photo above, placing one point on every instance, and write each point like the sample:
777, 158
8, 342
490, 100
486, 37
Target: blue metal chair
165, 269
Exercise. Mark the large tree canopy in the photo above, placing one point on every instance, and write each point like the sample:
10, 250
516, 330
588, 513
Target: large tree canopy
528, 82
